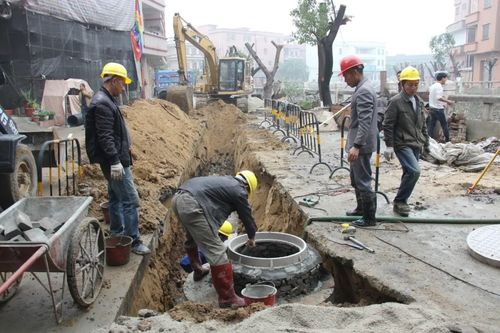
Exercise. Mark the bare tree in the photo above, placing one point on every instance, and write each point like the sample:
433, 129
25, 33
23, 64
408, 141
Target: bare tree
268, 86
488, 65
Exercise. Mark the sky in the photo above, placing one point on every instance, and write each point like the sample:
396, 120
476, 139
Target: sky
404, 26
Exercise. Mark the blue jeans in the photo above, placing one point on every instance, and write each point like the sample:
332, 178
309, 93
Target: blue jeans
408, 157
438, 115
123, 205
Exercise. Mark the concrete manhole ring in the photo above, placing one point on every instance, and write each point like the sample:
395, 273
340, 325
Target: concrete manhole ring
286, 260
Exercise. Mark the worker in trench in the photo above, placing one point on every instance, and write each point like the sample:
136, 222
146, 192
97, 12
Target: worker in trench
361, 140
202, 204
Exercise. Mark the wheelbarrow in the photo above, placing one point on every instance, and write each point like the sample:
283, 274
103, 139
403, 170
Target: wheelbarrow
75, 248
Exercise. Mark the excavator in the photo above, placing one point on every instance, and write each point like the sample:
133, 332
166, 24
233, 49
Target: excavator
226, 78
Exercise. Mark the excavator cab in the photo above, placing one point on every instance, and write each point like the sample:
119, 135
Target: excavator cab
231, 74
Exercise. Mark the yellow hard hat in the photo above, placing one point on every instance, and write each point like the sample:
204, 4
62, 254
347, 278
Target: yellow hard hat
226, 228
250, 179
113, 68
409, 73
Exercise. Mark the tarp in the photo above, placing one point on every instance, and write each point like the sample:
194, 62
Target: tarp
54, 94
113, 14
468, 157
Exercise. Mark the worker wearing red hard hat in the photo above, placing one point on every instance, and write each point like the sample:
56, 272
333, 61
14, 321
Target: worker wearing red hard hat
361, 139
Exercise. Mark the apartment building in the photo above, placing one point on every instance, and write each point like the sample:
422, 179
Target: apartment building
154, 43
477, 39
373, 55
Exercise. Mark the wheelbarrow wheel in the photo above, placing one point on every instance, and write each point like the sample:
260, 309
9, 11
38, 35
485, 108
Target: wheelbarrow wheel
85, 262
11, 291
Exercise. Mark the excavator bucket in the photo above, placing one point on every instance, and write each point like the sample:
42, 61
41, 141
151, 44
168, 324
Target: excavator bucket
182, 96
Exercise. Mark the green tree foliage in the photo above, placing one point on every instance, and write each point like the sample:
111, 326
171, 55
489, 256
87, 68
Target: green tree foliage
311, 20
441, 48
293, 70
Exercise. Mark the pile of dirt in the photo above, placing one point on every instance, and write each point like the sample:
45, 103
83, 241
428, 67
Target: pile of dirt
199, 313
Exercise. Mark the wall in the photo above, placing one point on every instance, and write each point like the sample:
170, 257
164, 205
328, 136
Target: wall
482, 113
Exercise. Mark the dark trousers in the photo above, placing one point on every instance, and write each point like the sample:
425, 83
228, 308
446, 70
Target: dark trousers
361, 173
438, 115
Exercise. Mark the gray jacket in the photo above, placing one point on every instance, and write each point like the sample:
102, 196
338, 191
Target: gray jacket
403, 127
219, 196
363, 130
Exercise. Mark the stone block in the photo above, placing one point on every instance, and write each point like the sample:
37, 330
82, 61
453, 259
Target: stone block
48, 224
23, 221
11, 229
18, 238
36, 235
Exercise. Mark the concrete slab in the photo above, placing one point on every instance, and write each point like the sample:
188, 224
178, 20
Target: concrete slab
30, 310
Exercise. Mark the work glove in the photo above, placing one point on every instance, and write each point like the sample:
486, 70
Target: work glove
117, 171
389, 153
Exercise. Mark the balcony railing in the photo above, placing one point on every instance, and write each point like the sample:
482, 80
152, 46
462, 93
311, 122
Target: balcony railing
470, 47
472, 18
155, 44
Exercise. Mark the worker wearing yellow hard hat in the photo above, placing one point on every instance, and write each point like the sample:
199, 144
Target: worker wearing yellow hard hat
108, 144
201, 203
115, 69
405, 134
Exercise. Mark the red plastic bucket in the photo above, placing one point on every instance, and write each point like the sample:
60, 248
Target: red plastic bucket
264, 292
118, 250
105, 211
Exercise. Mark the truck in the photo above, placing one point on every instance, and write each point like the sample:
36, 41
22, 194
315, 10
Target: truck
226, 78
165, 78
18, 170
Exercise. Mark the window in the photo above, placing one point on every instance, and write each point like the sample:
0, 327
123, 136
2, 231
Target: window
471, 34
469, 61
487, 4
486, 31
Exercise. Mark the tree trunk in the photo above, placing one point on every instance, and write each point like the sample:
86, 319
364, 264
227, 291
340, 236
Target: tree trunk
325, 56
268, 86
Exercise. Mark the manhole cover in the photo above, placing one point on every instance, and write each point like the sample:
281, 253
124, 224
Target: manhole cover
484, 244
284, 259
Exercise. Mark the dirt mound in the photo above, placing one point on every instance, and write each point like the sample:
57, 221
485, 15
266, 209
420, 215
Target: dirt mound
202, 312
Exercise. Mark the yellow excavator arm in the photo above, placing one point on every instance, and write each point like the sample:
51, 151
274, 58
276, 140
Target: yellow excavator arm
184, 31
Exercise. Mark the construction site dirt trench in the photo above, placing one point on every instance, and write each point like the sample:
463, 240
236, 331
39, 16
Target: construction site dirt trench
170, 147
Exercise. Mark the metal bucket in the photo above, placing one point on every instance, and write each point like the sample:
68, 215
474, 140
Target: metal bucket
118, 250
264, 292
105, 211
75, 120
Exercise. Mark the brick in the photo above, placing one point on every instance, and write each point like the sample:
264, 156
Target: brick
48, 224
23, 221
18, 238
36, 235
11, 229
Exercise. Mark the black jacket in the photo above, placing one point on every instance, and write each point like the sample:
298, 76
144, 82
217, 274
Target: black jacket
219, 196
106, 136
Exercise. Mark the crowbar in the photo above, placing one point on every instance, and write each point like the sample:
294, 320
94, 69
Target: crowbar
335, 114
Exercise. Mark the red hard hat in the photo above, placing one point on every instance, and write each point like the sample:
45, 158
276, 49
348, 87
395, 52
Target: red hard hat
349, 62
